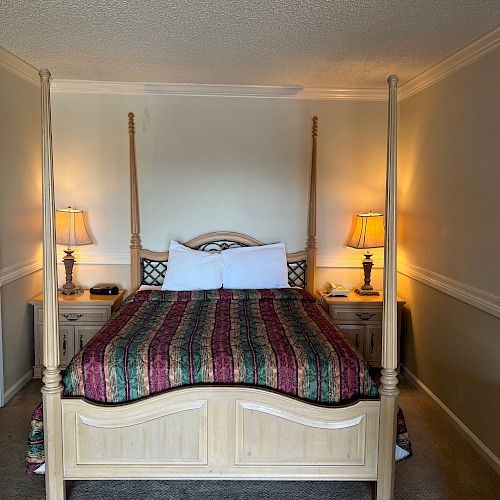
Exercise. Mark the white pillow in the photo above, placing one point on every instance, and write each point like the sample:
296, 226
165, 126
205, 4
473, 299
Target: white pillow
189, 269
255, 267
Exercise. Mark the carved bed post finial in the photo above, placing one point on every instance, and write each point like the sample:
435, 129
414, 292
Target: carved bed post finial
131, 125
135, 230
389, 380
52, 387
312, 247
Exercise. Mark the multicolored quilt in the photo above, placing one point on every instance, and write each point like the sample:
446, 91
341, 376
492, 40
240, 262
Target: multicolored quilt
280, 339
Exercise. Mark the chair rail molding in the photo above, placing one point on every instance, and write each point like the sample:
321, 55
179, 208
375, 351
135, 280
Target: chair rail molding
469, 53
20, 270
18, 67
123, 258
91, 258
475, 297
343, 261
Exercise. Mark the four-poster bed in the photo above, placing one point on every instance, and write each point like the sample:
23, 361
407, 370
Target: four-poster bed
219, 431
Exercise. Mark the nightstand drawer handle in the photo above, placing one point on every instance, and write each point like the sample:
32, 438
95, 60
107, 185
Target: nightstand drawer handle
372, 344
64, 345
81, 341
73, 316
365, 316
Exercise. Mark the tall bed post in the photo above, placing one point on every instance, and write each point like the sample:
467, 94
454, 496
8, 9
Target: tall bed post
52, 387
312, 246
135, 230
389, 380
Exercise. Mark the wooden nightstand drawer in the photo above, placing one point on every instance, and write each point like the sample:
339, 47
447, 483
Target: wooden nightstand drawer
66, 341
80, 315
356, 315
360, 319
373, 344
84, 334
356, 335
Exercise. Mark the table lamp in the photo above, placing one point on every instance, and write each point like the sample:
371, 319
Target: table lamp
70, 231
368, 233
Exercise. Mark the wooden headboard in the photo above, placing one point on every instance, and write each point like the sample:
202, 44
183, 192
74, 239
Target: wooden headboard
148, 267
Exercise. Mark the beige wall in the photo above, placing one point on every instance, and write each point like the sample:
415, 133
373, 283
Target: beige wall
449, 206
20, 174
20, 222
17, 327
217, 163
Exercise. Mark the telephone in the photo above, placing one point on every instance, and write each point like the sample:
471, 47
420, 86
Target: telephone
336, 290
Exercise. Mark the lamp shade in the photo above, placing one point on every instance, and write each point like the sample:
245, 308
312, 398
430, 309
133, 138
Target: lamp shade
368, 231
70, 228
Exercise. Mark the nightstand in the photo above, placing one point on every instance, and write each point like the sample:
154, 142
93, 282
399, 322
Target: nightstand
81, 316
360, 320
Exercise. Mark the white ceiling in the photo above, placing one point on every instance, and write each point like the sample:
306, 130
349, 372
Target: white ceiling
312, 43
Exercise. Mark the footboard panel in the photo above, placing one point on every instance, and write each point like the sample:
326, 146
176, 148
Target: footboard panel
220, 433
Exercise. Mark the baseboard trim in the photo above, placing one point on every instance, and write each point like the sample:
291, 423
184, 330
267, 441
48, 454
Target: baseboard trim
476, 443
475, 297
19, 270
17, 386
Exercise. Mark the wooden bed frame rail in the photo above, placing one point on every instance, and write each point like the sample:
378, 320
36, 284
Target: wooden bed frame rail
217, 432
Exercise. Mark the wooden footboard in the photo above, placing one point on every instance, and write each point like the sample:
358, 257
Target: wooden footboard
220, 433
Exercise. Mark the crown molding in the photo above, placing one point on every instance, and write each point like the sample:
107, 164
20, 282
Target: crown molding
18, 67
469, 53
464, 56
202, 90
333, 94
19, 270
176, 89
475, 297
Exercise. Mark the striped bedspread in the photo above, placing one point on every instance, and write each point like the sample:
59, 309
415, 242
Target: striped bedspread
279, 339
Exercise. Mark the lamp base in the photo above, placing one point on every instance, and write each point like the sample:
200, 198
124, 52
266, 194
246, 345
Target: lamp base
360, 291
70, 291
69, 288
367, 289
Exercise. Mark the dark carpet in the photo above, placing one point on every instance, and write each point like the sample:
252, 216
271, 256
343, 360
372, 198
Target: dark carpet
443, 466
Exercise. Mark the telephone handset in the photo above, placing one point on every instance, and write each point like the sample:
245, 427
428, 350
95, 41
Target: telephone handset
336, 290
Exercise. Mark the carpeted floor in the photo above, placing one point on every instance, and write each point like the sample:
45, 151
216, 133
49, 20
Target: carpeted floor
443, 467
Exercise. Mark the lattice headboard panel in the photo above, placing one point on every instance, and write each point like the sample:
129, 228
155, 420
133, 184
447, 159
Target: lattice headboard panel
153, 271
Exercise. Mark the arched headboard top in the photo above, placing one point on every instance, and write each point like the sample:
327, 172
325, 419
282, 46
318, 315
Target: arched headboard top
218, 241
154, 264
